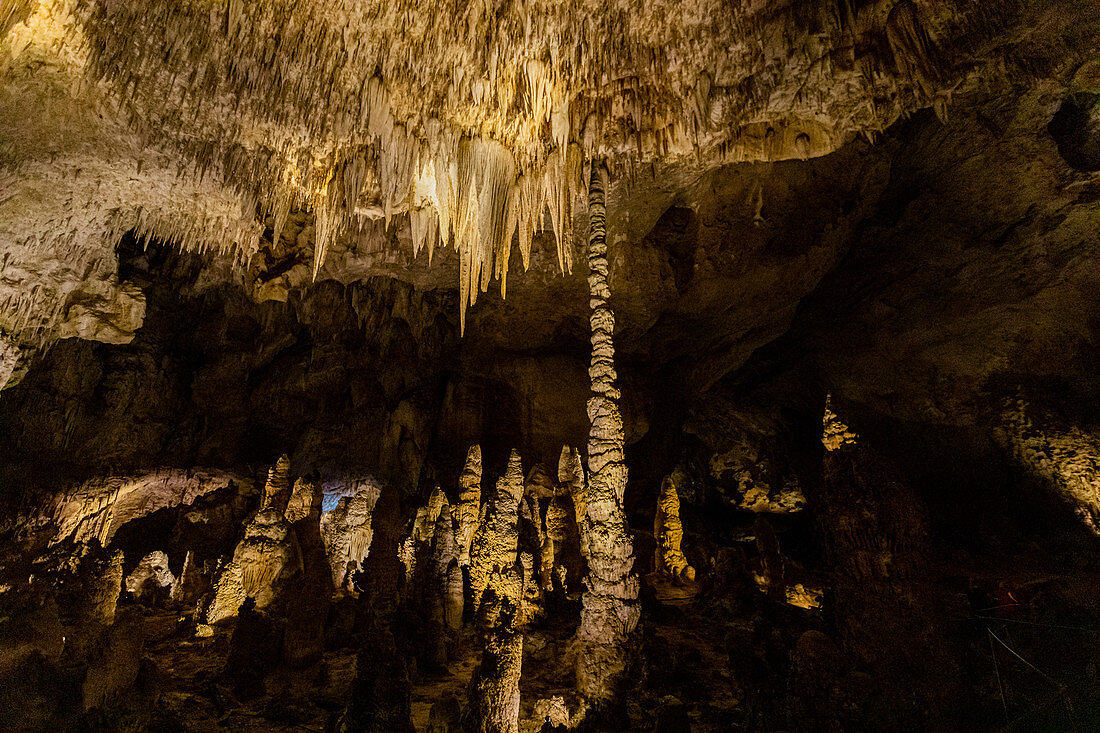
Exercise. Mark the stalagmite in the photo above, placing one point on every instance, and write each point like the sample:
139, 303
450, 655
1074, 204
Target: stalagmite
443, 561
468, 509
610, 610
276, 492
192, 583
454, 596
151, 581
347, 531
308, 602
669, 532
571, 476
494, 689
495, 543
268, 556
380, 695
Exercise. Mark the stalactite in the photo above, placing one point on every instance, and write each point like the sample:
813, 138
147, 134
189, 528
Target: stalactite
610, 611
495, 543
669, 532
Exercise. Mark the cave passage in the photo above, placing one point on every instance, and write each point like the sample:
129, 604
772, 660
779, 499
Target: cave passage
399, 367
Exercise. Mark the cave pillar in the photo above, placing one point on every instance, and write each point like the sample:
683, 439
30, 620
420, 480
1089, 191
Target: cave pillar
496, 578
304, 640
610, 610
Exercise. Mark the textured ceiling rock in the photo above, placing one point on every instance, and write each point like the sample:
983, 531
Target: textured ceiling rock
201, 123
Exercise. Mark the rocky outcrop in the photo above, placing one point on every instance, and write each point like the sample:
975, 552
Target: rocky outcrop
1062, 457
96, 508
610, 612
151, 582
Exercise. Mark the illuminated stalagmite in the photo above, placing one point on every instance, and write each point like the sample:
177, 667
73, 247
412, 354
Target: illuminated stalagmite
267, 556
571, 477
347, 530
610, 610
277, 489
495, 543
468, 509
494, 687
669, 532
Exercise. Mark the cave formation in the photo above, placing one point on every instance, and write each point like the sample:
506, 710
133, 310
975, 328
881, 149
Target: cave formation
669, 366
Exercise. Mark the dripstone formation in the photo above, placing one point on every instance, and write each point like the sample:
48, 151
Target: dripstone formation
405, 366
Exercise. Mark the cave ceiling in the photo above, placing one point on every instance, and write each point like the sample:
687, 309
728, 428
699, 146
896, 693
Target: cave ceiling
855, 168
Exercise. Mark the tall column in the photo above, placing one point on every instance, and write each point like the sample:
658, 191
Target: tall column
610, 610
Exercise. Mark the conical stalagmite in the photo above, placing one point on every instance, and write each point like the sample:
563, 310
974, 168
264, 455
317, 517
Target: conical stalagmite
610, 610
494, 689
277, 489
468, 509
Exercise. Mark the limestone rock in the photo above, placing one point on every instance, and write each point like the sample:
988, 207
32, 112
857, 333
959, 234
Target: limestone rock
347, 532
1063, 457
151, 581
